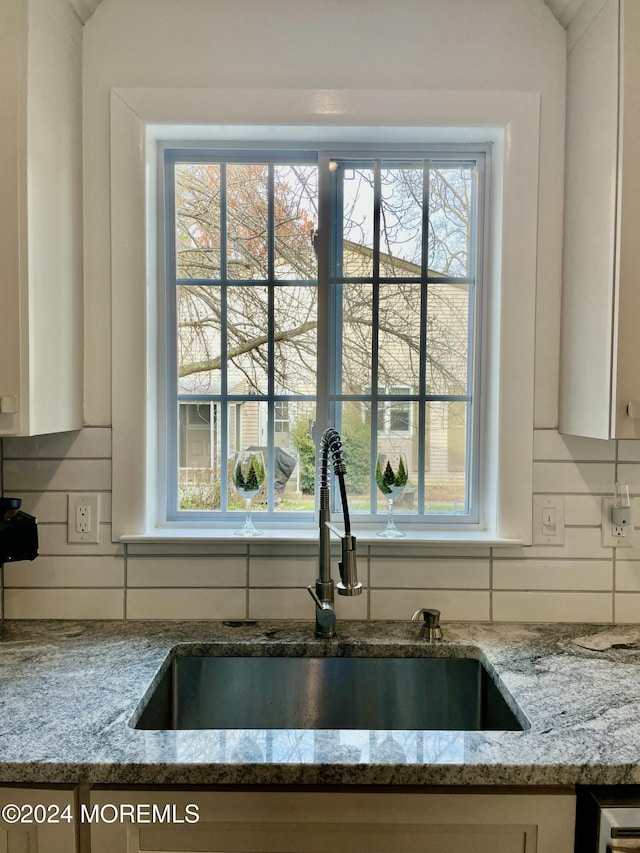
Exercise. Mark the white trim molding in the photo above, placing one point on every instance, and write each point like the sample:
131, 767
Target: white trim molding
510, 121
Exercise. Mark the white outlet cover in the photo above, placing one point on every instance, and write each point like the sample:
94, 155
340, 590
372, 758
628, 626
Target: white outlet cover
608, 539
92, 535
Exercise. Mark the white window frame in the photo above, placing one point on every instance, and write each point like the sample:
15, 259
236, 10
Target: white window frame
510, 121
330, 395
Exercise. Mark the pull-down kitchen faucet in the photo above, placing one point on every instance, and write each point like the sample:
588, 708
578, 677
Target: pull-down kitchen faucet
323, 594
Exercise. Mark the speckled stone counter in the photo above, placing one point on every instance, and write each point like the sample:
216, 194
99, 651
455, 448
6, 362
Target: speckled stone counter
69, 691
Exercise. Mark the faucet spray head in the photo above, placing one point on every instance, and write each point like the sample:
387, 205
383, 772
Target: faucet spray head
348, 583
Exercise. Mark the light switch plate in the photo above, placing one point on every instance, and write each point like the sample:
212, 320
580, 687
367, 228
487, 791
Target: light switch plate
83, 518
545, 508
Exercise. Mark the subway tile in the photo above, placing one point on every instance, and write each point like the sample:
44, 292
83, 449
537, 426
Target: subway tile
629, 473
416, 551
287, 571
453, 605
629, 451
297, 604
627, 607
429, 574
630, 552
627, 574
585, 510
279, 549
549, 444
553, 574
186, 549
42, 475
51, 507
552, 607
53, 542
579, 543
186, 603
64, 604
587, 477
186, 572
88, 443
46, 506
66, 572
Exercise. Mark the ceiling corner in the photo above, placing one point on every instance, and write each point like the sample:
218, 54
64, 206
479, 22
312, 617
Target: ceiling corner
564, 10
84, 9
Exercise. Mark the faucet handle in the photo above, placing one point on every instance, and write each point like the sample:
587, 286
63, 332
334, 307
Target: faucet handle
431, 629
325, 615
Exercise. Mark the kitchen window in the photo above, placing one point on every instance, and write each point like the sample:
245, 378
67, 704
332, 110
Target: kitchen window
296, 282
506, 124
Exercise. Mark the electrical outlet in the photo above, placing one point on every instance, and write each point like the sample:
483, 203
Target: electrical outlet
83, 518
618, 535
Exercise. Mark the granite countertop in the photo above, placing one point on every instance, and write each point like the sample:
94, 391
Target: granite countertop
70, 689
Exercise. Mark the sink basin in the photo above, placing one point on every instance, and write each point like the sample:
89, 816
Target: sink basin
326, 693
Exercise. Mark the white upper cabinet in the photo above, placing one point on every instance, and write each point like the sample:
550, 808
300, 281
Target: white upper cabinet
40, 217
600, 352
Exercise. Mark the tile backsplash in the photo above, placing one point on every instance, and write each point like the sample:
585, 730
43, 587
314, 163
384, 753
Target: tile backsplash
579, 581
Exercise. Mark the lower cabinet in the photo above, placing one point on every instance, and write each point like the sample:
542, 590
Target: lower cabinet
38, 820
198, 821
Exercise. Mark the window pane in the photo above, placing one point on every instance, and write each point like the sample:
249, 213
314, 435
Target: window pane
450, 199
197, 187
247, 324
300, 491
247, 222
401, 222
403, 440
446, 478
356, 339
296, 218
356, 435
399, 335
198, 318
447, 337
252, 436
296, 339
291, 421
281, 417
357, 247
198, 456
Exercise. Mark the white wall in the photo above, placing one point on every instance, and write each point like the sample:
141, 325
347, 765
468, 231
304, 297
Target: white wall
493, 45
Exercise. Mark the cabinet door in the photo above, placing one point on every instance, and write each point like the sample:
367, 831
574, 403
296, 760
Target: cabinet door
45, 820
589, 229
273, 822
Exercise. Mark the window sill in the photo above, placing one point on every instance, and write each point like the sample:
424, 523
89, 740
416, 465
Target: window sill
309, 535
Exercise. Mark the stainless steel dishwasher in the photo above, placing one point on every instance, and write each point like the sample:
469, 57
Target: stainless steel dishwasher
608, 820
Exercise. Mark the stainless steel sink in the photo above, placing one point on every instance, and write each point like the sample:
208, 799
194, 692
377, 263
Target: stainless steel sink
326, 693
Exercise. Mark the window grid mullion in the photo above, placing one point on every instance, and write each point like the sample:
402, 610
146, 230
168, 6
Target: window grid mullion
271, 254
172, 427
375, 338
424, 343
224, 406
473, 254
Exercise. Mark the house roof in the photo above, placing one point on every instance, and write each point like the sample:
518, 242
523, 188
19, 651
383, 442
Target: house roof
409, 267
